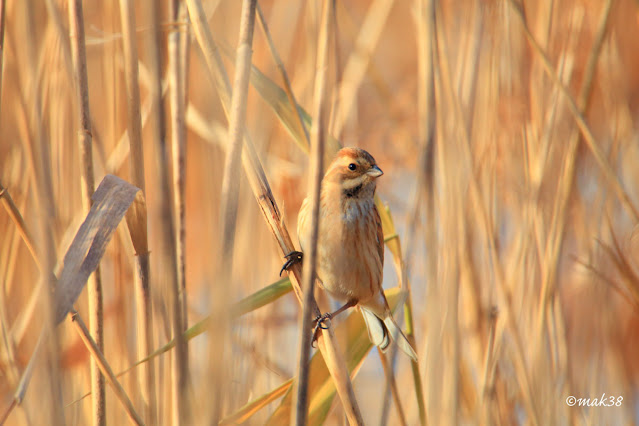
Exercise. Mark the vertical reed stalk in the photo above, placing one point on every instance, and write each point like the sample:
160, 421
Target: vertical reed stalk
177, 96
230, 184
147, 377
230, 190
318, 136
392, 384
78, 53
426, 118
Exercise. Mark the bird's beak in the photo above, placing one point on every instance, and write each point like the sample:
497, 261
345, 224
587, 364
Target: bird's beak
374, 172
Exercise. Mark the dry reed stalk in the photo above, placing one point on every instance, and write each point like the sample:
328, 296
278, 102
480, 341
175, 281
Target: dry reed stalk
177, 96
318, 135
96, 354
268, 205
426, 113
16, 218
237, 119
155, 110
230, 194
443, 387
78, 53
390, 379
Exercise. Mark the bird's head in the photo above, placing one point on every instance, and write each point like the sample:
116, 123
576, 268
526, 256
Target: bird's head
355, 171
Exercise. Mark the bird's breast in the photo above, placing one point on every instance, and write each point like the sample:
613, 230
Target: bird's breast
349, 263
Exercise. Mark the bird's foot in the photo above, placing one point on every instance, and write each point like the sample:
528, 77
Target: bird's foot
291, 259
320, 324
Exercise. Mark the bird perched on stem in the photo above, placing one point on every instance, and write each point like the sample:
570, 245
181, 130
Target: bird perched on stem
350, 251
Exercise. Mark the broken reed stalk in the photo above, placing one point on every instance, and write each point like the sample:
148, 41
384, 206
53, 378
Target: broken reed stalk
16, 217
97, 355
78, 54
262, 192
318, 136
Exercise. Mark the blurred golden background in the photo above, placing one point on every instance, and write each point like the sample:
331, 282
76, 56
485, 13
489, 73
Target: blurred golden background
507, 135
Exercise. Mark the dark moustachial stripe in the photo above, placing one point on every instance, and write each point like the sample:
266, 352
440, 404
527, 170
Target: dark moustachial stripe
352, 192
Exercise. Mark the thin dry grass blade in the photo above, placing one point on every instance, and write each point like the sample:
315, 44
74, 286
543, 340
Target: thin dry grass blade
104, 367
302, 127
243, 414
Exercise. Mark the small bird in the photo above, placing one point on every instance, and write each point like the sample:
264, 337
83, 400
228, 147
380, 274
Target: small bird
350, 252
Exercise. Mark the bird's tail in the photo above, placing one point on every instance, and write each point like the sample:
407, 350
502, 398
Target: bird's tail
382, 331
399, 337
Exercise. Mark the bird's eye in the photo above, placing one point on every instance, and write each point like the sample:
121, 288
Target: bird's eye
352, 166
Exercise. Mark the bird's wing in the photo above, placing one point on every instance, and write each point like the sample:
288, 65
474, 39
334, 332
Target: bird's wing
380, 235
301, 222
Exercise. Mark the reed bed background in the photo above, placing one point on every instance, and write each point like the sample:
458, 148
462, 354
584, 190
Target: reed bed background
507, 134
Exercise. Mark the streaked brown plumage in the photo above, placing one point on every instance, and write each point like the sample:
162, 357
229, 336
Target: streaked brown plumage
351, 243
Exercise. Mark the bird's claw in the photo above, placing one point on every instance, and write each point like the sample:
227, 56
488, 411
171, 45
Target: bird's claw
319, 324
291, 259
